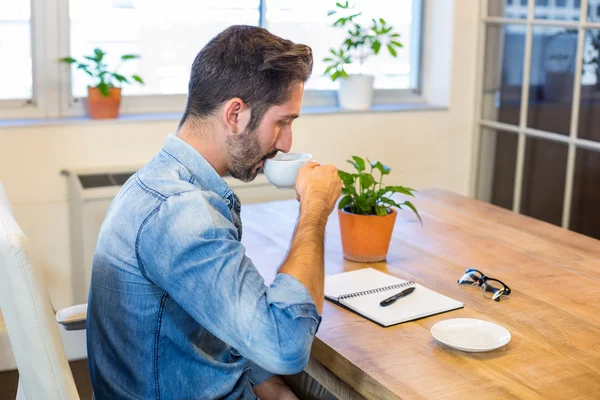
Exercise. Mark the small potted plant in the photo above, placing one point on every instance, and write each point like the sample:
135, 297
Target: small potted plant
362, 42
104, 95
366, 212
593, 56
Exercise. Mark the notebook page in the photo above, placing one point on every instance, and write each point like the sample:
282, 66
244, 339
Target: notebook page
420, 303
357, 281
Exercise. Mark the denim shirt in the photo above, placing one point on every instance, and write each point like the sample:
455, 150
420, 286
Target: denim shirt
176, 310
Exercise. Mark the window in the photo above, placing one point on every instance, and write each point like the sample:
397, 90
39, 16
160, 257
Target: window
539, 141
15, 50
307, 22
168, 35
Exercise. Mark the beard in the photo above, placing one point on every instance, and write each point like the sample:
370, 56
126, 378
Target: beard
244, 155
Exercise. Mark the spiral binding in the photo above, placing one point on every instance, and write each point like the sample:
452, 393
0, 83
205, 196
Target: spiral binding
379, 290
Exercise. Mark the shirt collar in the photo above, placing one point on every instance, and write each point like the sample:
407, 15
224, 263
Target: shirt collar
204, 174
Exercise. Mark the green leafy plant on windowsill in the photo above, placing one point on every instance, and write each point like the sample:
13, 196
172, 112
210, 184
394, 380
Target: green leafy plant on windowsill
593, 57
361, 42
365, 195
103, 78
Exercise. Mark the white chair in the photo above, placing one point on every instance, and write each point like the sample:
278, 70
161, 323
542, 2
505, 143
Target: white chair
44, 371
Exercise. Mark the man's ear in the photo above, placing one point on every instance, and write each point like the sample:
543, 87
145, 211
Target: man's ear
236, 115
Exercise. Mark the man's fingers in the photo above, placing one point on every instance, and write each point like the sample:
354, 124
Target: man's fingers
311, 164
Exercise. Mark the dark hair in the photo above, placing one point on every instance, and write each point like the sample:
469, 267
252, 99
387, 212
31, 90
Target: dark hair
246, 62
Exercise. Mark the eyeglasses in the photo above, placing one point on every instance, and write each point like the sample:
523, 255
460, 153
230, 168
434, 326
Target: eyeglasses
489, 287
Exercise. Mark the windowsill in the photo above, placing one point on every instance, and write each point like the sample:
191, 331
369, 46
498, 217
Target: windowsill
128, 118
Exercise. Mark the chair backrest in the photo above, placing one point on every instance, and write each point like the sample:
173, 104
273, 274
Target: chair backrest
44, 371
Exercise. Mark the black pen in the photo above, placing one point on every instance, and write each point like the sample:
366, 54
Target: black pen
392, 300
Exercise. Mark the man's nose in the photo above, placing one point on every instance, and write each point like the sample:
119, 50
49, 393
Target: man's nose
284, 140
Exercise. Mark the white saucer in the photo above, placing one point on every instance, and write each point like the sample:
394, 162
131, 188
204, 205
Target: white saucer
472, 335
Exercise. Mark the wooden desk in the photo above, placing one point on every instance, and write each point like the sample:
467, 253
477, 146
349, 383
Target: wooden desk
553, 312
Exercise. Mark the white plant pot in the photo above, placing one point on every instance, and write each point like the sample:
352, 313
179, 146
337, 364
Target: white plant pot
356, 92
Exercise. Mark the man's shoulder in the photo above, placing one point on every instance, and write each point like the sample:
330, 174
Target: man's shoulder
164, 178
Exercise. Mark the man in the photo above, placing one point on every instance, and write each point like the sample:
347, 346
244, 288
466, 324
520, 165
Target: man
176, 310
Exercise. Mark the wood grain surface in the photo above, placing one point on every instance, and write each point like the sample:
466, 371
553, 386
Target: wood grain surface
553, 313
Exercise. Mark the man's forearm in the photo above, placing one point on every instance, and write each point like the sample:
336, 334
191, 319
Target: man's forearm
305, 258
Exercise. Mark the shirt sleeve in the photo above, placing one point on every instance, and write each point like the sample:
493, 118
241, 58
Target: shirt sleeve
190, 249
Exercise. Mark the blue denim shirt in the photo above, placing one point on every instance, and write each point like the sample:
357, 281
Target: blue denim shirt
176, 309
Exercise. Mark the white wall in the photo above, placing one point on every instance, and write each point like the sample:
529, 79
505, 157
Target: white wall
424, 148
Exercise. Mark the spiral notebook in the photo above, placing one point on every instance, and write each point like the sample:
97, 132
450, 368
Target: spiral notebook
362, 290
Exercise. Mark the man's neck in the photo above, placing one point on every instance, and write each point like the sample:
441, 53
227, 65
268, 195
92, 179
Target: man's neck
210, 147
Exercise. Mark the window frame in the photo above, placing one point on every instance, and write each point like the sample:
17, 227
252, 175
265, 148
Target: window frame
482, 125
52, 95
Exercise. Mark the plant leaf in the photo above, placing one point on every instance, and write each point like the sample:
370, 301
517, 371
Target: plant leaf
331, 12
381, 210
94, 59
376, 46
343, 74
366, 180
120, 78
400, 189
412, 207
126, 57
99, 54
398, 44
395, 35
85, 69
104, 89
341, 22
392, 50
347, 178
335, 75
345, 201
359, 162
67, 60
365, 203
382, 21
384, 169
353, 164
138, 79
389, 202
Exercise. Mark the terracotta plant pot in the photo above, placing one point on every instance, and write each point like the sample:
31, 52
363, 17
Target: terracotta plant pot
101, 107
366, 238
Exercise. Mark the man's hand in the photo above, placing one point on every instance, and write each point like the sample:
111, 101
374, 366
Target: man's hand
274, 388
318, 186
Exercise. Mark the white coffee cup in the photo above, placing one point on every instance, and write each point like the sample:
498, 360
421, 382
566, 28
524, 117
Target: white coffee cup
282, 169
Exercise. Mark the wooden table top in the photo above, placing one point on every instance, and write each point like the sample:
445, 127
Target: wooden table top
553, 313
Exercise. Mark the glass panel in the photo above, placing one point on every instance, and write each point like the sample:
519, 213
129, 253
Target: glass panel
497, 165
307, 22
551, 79
557, 9
585, 217
167, 35
544, 179
507, 8
589, 109
594, 11
503, 73
15, 45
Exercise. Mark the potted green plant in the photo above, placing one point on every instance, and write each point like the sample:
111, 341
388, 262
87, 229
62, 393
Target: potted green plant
362, 42
593, 56
104, 94
366, 212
